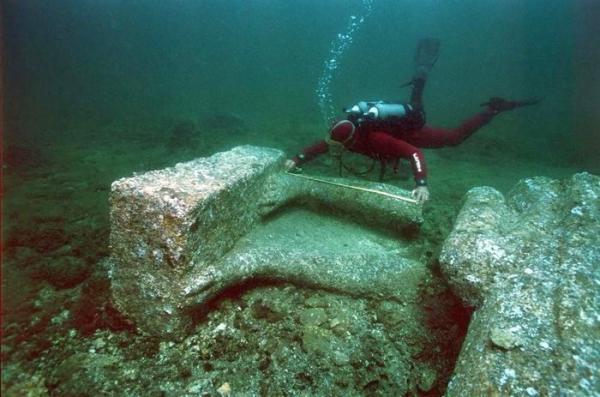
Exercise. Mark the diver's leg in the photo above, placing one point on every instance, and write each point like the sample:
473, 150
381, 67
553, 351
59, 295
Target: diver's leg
382, 165
426, 55
416, 96
415, 119
432, 137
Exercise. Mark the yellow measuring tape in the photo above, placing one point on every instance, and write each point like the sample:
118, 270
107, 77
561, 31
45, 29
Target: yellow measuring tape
363, 189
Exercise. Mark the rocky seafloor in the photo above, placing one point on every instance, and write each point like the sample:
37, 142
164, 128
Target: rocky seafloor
61, 334
275, 340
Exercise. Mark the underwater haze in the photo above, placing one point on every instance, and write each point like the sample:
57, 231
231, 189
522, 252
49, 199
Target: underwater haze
74, 62
94, 91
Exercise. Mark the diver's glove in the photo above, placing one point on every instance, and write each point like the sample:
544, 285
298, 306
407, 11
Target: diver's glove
293, 165
289, 165
497, 104
421, 194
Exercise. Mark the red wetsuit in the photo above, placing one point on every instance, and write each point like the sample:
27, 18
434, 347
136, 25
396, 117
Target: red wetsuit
389, 142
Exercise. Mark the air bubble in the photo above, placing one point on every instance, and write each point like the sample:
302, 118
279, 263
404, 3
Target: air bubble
338, 46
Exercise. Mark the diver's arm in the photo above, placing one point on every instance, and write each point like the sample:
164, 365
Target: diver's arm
387, 146
307, 154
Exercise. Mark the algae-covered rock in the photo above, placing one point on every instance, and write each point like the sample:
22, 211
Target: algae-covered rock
317, 340
316, 316
32, 387
84, 373
529, 263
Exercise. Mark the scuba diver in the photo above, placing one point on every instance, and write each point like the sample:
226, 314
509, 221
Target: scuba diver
388, 132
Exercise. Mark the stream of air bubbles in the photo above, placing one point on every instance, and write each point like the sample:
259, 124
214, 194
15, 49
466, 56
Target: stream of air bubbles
338, 46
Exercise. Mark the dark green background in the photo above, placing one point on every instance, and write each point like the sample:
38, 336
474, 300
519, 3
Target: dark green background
95, 62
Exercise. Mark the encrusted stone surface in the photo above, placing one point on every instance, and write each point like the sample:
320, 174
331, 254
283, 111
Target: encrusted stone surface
530, 266
174, 231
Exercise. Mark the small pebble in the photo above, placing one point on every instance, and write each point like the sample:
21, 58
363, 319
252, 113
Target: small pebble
225, 389
504, 339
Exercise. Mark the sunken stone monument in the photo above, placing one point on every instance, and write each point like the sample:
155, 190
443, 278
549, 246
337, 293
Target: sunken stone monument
530, 265
176, 236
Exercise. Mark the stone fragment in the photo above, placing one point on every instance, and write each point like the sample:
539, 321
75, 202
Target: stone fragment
529, 263
504, 339
316, 301
340, 358
427, 378
224, 390
316, 316
317, 340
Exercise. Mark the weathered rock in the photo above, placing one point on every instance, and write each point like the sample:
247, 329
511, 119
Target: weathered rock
175, 233
530, 266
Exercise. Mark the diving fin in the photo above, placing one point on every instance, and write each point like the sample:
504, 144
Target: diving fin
527, 102
426, 55
497, 104
428, 51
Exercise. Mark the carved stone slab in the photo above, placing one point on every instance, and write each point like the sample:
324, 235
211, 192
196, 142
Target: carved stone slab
174, 233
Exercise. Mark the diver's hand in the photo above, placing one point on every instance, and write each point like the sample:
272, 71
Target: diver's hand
421, 194
289, 165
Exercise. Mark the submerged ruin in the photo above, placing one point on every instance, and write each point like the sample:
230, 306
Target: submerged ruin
182, 237
177, 236
530, 265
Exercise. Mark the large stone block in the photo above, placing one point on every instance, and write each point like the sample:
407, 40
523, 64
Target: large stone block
529, 263
174, 234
